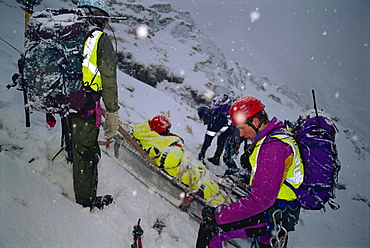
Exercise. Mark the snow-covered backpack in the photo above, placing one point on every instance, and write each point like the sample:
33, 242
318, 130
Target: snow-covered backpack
50, 67
315, 135
51, 64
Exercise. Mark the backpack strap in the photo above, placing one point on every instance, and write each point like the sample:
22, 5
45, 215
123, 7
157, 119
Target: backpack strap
333, 204
90, 34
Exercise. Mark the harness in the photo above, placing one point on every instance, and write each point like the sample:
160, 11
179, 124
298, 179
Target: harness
284, 214
92, 78
97, 110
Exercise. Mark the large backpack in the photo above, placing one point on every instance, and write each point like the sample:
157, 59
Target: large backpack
51, 65
315, 135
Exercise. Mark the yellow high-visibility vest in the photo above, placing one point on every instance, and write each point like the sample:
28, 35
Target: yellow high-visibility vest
293, 167
90, 72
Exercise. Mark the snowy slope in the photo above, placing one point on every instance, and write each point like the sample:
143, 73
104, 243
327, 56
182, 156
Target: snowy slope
37, 197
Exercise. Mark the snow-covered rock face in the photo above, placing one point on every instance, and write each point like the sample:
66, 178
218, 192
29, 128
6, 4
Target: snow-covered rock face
157, 33
154, 35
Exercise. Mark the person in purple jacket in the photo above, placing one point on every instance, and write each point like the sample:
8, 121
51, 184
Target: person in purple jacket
218, 123
270, 209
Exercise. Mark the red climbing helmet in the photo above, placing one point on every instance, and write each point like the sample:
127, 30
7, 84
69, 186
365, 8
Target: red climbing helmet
244, 108
159, 123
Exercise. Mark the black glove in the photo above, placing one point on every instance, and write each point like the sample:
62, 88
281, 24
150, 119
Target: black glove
208, 227
231, 171
244, 161
16, 79
208, 214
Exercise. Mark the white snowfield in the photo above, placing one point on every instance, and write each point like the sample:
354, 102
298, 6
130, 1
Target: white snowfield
37, 205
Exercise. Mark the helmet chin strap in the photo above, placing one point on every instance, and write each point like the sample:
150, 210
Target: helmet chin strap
100, 22
256, 129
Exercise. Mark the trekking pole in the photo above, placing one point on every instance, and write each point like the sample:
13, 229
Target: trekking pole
315, 107
66, 137
119, 18
26, 107
28, 8
10, 45
137, 232
65, 140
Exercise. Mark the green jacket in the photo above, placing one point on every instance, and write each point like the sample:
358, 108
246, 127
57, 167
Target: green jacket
107, 67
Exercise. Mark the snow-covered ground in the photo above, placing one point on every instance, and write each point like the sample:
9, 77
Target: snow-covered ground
36, 194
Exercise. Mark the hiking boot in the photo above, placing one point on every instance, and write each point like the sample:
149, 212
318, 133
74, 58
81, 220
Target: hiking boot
214, 160
101, 201
216, 157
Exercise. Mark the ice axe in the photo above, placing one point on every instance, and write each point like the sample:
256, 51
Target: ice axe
137, 232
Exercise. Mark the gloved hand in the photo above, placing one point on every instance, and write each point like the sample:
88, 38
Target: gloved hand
208, 215
187, 201
111, 124
212, 224
208, 227
50, 120
244, 161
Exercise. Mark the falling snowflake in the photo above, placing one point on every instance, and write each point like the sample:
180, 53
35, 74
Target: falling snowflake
142, 31
254, 16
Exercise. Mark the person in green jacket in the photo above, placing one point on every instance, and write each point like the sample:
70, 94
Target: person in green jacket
99, 76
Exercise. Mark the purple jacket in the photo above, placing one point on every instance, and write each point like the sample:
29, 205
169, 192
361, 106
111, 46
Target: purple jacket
221, 107
266, 182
